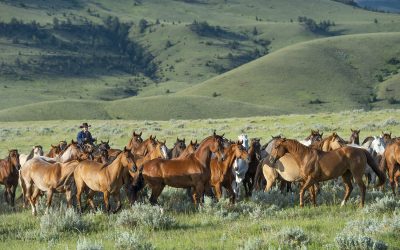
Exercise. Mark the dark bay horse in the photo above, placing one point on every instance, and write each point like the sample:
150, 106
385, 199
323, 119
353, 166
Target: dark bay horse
9, 168
190, 172
354, 137
177, 150
316, 166
255, 157
190, 149
221, 171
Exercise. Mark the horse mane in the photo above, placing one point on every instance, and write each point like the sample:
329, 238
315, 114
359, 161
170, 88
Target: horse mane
109, 162
300, 147
30, 156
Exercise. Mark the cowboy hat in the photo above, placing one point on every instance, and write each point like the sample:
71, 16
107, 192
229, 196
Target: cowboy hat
85, 125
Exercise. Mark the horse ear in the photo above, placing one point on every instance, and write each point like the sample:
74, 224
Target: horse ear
140, 133
195, 142
214, 134
165, 141
52, 146
358, 131
183, 140
390, 134
223, 135
352, 130
322, 134
108, 141
125, 149
177, 138
240, 142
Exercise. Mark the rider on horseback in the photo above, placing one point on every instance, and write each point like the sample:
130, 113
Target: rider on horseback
84, 136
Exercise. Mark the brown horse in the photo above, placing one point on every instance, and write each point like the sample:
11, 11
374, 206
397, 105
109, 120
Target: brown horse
190, 149
178, 148
391, 163
160, 151
255, 156
71, 152
316, 166
190, 172
135, 141
41, 175
105, 179
354, 137
314, 136
9, 168
221, 171
54, 151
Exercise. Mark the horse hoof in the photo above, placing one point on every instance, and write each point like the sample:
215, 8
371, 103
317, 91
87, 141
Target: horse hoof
342, 204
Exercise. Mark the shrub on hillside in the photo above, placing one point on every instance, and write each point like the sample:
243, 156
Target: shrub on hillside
348, 242
293, 237
84, 244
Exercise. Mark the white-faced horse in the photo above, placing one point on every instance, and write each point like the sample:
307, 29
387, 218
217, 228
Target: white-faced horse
240, 166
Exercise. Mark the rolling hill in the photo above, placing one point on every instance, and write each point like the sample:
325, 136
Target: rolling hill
197, 48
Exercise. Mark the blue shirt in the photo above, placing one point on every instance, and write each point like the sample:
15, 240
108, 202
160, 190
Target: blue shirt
84, 137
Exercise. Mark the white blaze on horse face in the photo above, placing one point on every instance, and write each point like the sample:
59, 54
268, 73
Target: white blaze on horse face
164, 151
245, 141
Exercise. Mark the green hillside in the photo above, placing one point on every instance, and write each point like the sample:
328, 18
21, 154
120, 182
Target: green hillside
77, 55
341, 72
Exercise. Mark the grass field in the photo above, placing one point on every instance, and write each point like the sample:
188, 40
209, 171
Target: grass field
264, 221
191, 64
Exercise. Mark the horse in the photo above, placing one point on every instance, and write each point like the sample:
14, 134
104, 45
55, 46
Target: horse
221, 171
240, 167
54, 151
40, 175
106, 179
36, 151
354, 137
286, 167
391, 163
190, 149
177, 150
71, 152
160, 151
255, 157
316, 166
190, 172
9, 168
313, 137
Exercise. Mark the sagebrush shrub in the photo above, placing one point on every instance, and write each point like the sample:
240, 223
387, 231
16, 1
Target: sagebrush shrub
152, 217
84, 244
361, 242
293, 237
131, 241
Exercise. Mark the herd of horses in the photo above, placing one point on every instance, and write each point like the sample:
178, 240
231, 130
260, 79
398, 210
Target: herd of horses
202, 168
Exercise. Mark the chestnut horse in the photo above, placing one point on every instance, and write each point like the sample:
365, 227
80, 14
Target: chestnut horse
354, 137
135, 141
316, 166
391, 163
71, 152
41, 175
190, 172
221, 171
9, 168
106, 179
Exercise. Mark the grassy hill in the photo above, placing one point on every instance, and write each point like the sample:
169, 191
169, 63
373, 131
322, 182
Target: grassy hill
341, 72
237, 32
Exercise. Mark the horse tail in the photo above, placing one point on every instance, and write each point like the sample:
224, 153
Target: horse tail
22, 185
371, 162
66, 183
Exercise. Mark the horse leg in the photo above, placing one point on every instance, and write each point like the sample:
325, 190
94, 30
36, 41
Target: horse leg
117, 198
90, 196
155, 192
13, 189
304, 187
68, 196
349, 187
218, 191
7, 194
391, 178
313, 194
106, 197
199, 191
231, 193
362, 187
49, 199
33, 200
80, 185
